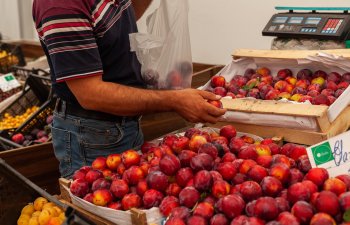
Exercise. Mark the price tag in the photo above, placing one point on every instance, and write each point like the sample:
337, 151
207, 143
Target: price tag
8, 82
333, 155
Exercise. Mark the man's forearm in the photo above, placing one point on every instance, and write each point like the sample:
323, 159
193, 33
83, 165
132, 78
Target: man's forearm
127, 101
118, 99
95, 94
140, 7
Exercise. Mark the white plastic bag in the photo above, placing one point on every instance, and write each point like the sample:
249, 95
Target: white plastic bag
165, 50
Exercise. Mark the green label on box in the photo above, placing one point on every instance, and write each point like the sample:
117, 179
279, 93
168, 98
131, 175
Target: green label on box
322, 153
9, 78
346, 216
8, 82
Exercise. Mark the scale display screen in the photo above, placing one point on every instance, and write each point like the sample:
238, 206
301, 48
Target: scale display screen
313, 20
280, 19
296, 20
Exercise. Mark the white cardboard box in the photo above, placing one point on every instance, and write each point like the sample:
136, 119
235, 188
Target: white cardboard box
314, 61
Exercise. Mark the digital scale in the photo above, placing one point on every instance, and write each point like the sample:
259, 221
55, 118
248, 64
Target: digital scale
325, 25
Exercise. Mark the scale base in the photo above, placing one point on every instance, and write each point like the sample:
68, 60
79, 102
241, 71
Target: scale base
305, 44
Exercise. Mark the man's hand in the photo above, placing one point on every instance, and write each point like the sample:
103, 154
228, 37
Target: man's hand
192, 105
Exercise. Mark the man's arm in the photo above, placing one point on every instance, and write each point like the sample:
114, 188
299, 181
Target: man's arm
95, 94
140, 7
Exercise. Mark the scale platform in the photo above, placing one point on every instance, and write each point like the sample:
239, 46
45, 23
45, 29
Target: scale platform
322, 23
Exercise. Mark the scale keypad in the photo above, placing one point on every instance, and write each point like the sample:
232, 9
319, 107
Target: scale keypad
332, 26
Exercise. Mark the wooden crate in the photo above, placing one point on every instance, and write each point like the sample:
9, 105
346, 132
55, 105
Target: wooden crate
16, 192
137, 216
37, 163
158, 124
319, 113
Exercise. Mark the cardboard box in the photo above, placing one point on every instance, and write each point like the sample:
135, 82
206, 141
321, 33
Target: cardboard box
298, 123
105, 216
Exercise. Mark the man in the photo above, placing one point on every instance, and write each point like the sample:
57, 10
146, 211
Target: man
98, 80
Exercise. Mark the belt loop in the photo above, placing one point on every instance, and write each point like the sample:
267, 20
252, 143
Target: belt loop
123, 121
57, 105
64, 109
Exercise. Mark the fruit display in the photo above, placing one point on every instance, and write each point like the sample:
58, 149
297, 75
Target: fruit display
36, 136
14, 121
208, 177
3, 54
7, 94
41, 212
316, 87
7, 59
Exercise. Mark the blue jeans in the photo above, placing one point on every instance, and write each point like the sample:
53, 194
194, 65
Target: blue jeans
79, 141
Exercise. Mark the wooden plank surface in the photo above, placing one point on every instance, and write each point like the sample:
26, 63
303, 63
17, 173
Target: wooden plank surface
323, 123
64, 194
197, 67
286, 54
289, 135
92, 217
38, 163
138, 217
158, 124
274, 107
341, 124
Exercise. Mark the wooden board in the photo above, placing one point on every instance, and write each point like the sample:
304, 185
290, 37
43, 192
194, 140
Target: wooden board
274, 107
286, 54
38, 163
323, 123
94, 218
138, 217
289, 135
64, 194
158, 124
340, 125
197, 67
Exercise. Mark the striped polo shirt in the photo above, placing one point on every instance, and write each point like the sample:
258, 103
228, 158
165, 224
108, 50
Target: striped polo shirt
83, 38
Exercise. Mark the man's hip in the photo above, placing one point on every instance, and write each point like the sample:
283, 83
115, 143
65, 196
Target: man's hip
78, 140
